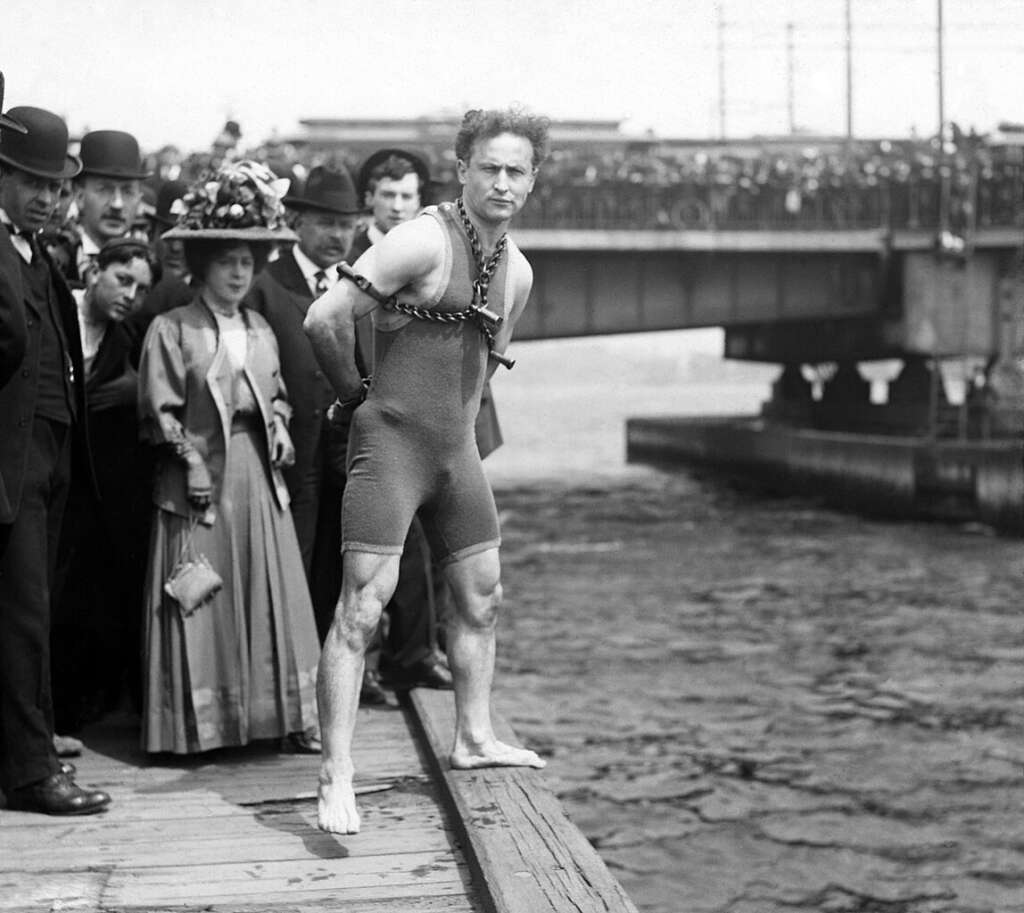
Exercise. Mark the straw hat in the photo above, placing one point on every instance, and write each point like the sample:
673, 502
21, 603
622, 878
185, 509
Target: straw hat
241, 202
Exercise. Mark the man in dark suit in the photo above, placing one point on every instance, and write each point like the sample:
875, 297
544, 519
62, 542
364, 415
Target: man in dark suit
42, 421
325, 214
108, 191
97, 617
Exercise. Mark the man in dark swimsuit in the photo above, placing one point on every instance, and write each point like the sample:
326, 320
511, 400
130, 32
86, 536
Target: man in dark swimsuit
412, 442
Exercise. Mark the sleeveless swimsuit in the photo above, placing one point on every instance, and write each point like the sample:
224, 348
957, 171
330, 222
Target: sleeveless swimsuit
412, 445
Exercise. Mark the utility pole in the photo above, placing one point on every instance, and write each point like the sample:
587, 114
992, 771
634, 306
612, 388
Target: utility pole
849, 78
721, 70
790, 79
933, 406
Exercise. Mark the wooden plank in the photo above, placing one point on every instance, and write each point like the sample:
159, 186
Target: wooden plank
266, 846
41, 891
525, 853
440, 903
410, 874
394, 813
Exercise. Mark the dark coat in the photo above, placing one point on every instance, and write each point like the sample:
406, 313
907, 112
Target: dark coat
18, 395
13, 340
122, 463
281, 295
13, 336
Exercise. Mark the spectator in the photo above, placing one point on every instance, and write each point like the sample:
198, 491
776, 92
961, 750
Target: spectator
242, 666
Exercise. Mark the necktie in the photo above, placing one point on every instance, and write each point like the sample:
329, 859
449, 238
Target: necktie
31, 239
320, 283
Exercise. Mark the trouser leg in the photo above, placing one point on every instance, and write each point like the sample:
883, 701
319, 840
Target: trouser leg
27, 569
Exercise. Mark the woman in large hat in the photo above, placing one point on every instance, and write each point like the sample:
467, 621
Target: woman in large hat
241, 666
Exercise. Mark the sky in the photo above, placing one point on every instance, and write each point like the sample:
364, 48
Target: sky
174, 71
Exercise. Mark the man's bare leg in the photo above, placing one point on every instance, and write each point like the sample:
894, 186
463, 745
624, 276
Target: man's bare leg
367, 584
476, 586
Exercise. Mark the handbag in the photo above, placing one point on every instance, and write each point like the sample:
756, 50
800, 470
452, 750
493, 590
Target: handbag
192, 582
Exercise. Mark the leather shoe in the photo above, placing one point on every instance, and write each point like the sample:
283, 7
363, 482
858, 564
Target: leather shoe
372, 693
58, 794
432, 672
302, 743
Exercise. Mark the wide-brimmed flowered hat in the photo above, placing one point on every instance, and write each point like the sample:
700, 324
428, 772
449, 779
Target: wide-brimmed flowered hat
241, 202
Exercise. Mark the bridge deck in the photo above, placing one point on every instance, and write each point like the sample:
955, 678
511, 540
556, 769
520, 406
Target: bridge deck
768, 240
236, 832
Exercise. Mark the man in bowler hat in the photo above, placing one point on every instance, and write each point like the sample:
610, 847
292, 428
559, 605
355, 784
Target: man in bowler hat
108, 191
325, 218
42, 432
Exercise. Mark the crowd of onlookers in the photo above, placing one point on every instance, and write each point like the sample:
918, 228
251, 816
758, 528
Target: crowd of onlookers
971, 182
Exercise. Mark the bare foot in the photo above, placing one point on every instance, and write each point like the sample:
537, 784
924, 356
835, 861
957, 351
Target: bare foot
336, 810
493, 754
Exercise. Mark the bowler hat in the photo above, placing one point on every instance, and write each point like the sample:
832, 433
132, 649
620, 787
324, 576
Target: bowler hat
382, 155
327, 190
43, 149
111, 154
4, 120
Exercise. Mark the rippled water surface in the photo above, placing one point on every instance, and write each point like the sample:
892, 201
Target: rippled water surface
752, 705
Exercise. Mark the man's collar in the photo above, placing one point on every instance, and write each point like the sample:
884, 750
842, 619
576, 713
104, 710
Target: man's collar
89, 246
308, 267
374, 233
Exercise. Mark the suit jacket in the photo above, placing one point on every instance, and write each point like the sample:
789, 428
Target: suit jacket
18, 395
281, 295
123, 465
13, 335
186, 391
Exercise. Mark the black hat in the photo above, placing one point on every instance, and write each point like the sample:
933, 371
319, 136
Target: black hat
43, 149
111, 154
382, 155
6, 121
169, 192
327, 190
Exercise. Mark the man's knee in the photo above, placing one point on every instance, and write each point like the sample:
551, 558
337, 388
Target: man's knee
367, 585
479, 606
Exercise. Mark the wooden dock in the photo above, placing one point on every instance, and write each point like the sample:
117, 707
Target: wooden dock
235, 832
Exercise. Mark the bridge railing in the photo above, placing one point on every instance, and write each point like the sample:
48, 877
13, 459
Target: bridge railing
915, 204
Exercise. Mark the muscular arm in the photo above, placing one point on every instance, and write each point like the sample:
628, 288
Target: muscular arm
405, 260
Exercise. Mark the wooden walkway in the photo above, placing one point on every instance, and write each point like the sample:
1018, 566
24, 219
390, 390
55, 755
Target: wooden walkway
236, 831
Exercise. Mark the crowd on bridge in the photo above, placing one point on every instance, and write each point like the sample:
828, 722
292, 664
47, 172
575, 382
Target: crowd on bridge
971, 181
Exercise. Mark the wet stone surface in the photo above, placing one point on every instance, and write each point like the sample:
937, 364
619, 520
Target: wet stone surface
762, 706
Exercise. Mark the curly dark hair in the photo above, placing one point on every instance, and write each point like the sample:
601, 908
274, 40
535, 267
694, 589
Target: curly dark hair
479, 124
394, 167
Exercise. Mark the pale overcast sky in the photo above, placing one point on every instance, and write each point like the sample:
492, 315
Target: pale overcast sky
173, 71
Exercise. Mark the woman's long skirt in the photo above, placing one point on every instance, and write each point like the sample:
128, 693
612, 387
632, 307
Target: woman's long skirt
242, 666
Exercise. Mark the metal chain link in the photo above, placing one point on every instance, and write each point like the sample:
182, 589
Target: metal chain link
484, 269
478, 309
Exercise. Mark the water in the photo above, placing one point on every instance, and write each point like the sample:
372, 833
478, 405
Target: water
751, 705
